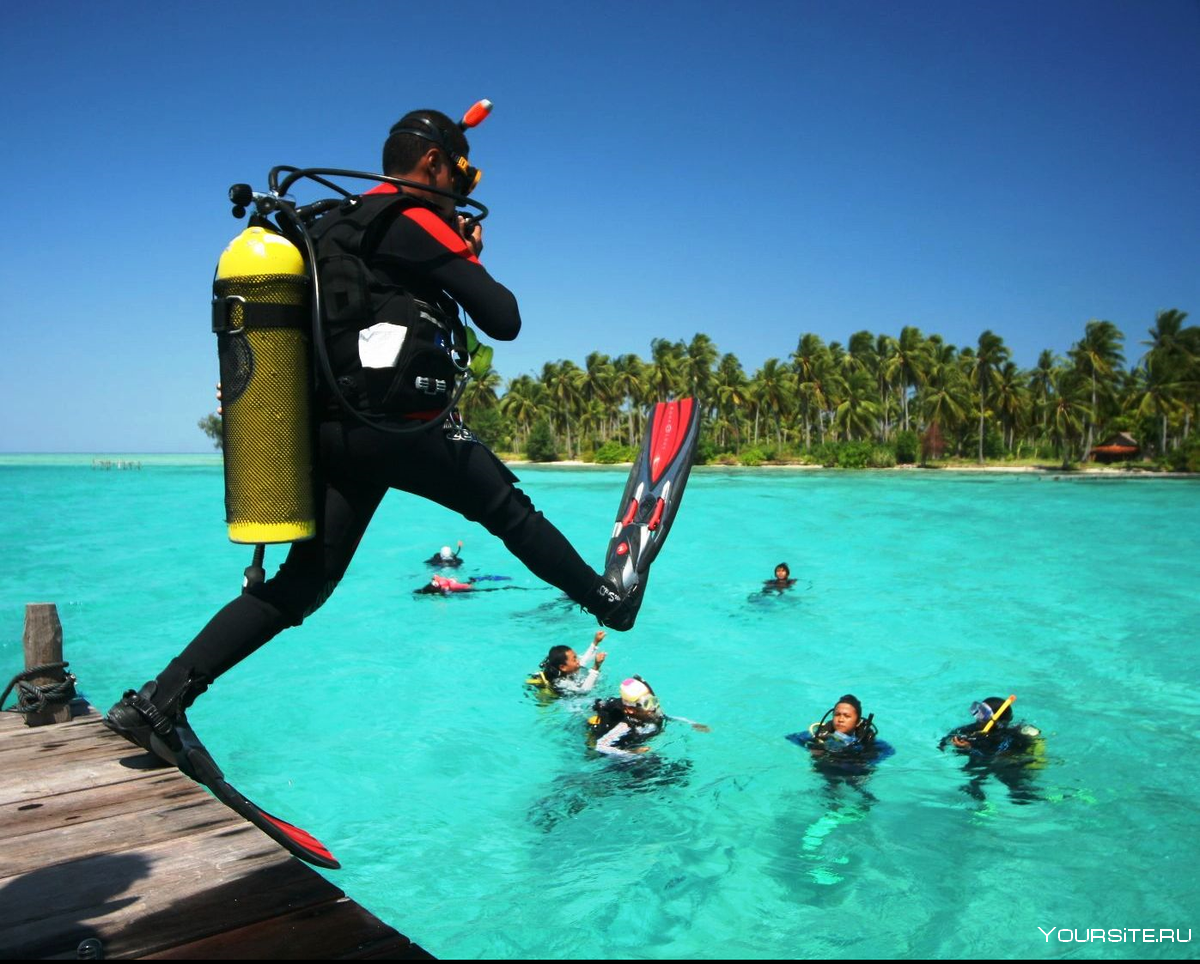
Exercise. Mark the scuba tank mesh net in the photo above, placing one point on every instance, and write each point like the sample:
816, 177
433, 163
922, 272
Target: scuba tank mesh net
266, 387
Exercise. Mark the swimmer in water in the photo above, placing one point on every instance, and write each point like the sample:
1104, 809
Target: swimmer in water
843, 741
993, 745
619, 727
562, 672
783, 579
445, 585
445, 558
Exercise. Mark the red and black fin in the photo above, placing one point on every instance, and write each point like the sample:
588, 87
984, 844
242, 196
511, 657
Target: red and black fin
653, 493
194, 760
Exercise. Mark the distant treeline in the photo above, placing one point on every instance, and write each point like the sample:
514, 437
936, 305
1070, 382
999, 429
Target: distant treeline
909, 394
873, 401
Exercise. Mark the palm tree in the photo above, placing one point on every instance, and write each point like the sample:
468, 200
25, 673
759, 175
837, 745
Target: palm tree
991, 355
1040, 381
771, 389
907, 364
857, 411
1097, 357
885, 345
629, 387
521, 404
812, 365
596, 387
1158, 394
731, 393
946, 395
1068, 410
1011, 400
700, 356
665, 370
563, 381
1176, 350
480, 392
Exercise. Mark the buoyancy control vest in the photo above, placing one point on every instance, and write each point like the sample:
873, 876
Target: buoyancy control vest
609, 713
391, 352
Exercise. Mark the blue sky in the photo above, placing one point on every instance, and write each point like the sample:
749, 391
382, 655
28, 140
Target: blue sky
752, 171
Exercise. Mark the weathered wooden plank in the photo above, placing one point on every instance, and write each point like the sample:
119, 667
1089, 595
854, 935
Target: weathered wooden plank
98, 846
116, 834
84, 773
164, 789
140, 902
66, 754
12, 726
335, 930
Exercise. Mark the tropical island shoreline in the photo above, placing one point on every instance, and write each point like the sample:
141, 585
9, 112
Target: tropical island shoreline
138, 461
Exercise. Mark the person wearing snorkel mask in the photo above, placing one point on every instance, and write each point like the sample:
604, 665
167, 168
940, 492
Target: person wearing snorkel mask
446, 558
993, 744
620, 726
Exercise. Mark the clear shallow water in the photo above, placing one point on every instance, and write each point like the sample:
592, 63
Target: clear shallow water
471, 817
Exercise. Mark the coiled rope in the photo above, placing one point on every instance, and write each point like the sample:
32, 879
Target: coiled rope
32, 698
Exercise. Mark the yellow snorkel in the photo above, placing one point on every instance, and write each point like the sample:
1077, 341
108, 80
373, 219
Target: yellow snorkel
1000, 712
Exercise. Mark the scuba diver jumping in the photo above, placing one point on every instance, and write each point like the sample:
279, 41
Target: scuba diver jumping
384, 273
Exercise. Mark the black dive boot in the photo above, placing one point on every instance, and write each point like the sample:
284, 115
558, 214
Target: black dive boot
148, 717
154, 719
613, 608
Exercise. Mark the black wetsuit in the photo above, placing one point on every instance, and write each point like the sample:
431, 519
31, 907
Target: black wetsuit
358, 464
1007, 752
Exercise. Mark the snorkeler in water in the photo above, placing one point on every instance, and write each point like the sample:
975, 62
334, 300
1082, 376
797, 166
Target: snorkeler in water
445, 558
562, 672
783, 579
620, 727
994, 745
843, 741
445, 585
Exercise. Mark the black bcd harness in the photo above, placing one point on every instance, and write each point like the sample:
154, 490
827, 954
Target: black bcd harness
391, 352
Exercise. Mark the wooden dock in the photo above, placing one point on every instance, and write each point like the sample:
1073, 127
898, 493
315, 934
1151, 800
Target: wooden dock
95, 844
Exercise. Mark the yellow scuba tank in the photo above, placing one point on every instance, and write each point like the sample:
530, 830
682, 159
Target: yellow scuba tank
261, 319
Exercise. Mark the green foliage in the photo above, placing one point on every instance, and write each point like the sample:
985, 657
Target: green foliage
883, 457
612, 452
908, 447
752, 456
210, 425
491, 428
706, 450
541, 446
854, 455
1185, 458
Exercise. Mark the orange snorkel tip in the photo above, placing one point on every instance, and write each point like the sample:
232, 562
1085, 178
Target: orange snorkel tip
476, 114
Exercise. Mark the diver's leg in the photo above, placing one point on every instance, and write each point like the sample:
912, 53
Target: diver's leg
464, 476
304, 581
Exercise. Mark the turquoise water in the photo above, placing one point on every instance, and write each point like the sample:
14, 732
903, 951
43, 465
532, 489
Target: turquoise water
471, 817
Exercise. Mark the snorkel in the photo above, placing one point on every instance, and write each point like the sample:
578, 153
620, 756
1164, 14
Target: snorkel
998, 713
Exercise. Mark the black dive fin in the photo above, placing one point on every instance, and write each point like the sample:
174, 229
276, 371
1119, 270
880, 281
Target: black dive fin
195, 761
652, 494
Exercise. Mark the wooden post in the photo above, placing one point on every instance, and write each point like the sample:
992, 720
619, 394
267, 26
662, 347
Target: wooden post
44, 644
